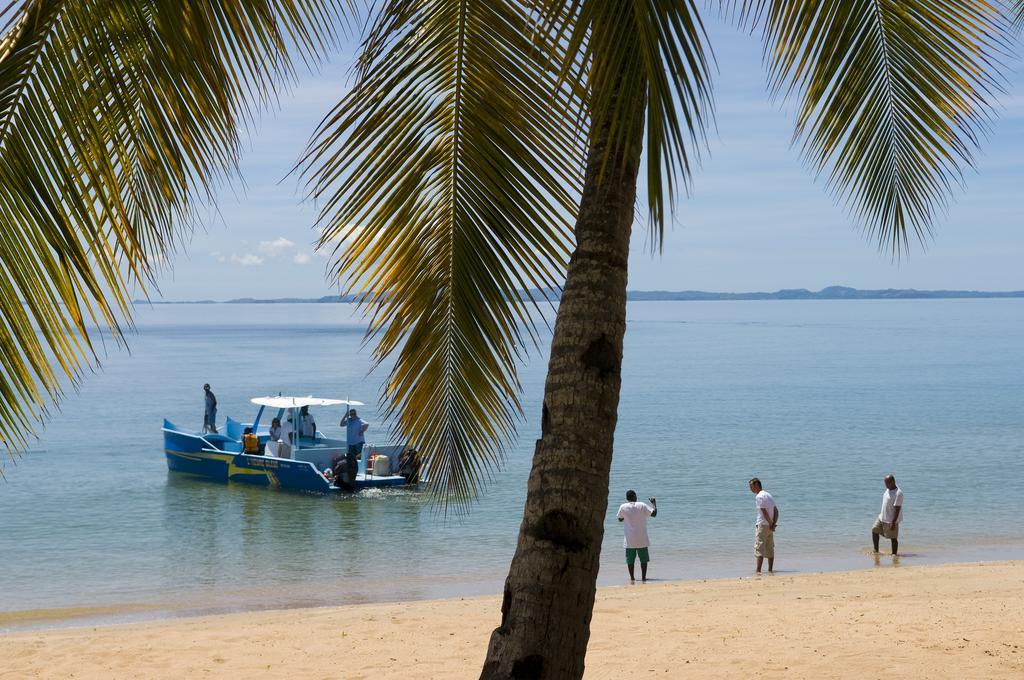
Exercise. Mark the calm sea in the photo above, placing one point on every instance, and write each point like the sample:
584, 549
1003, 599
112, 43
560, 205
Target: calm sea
819, 398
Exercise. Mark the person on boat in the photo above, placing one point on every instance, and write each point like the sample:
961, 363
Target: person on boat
634, 516
307, 426
250, 443
340, 470
274, 438
355, 429
284, 449
210, 412
409, 465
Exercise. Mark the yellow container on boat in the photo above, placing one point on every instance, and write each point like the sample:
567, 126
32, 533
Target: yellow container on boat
381, 465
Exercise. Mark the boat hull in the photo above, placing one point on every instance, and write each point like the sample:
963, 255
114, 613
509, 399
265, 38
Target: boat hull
245, 469
198, 455
212, 466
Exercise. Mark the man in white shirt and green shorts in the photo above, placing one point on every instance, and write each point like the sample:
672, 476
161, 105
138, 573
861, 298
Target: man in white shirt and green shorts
634, 517
888, 522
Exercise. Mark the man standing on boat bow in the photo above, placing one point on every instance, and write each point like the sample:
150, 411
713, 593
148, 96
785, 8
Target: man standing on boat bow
209, 411
355, 428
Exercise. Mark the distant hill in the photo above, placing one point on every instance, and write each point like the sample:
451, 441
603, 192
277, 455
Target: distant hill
325, 298
830, 293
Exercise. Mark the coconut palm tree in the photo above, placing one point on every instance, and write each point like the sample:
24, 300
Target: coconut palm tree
450, 173
117, 118
489, 150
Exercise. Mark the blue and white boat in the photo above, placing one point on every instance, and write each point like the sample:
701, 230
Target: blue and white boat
301, 463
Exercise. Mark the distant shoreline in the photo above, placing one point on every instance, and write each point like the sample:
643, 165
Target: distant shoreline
829, 293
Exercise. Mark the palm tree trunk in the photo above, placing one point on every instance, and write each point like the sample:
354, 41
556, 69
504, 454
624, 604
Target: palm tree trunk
549, 593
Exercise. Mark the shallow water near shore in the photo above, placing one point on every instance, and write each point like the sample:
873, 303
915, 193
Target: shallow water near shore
818, 398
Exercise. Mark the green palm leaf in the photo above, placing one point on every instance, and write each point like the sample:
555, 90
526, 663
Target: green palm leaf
116, 117
893, 97
1018, 13
449, 177
663, 45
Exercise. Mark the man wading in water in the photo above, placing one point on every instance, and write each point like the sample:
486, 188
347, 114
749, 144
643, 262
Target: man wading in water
634, 516
764, 528
888, 520
355, 429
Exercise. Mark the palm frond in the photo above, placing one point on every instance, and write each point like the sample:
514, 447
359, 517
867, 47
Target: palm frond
116, 118
663, 44
449, 178
1017, 14
894, 96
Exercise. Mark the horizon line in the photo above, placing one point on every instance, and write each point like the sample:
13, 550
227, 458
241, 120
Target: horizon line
834, 292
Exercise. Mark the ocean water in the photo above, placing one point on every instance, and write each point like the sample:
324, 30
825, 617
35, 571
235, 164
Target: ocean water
820, 399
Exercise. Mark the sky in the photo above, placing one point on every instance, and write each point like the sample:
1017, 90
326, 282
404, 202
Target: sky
756, 219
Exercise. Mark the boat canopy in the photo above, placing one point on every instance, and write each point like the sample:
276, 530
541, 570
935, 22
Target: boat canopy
299, 402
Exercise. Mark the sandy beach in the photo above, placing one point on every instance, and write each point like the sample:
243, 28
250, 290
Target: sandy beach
949, 621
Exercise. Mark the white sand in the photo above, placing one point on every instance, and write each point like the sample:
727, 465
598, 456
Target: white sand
952, 621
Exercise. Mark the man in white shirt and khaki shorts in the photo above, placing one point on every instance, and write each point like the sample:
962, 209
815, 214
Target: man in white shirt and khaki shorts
888, 522
764, 527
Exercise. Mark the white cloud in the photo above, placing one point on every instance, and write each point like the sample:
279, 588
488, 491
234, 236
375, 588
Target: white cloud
247, 260
348, 233
300, 258
275, 247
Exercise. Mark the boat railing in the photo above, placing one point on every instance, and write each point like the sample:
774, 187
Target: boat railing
191, 434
